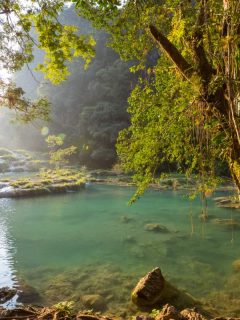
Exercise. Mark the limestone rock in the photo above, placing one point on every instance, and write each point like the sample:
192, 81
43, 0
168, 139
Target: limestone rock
94, 301
191, 314
156, 227
148, 290
153, 291
169, 312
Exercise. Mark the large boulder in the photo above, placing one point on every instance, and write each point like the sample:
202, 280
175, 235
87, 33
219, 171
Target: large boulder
153, 291
169, 312
149, 288
94, 301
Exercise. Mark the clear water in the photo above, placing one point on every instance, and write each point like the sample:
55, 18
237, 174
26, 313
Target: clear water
91, 242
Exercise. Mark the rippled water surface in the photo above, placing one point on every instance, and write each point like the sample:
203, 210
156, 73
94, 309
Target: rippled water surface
66, 246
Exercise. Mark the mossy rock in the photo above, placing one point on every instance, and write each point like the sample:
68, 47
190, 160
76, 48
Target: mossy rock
149, 289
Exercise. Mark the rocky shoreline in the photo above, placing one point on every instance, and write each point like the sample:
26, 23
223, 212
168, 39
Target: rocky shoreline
56, 313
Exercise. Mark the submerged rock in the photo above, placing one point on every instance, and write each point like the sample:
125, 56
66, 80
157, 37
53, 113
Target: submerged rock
94, 301
156, 227
227, 202
227, 223
129, 239
236, 265
28, 294
6, 294
126, 219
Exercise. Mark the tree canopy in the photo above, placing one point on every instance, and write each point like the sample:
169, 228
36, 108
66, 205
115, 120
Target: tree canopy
185, 109
60, 42
89, 107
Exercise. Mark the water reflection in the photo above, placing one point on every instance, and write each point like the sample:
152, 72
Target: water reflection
7, 248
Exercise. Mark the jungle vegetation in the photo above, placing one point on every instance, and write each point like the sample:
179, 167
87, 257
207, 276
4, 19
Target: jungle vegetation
184, 108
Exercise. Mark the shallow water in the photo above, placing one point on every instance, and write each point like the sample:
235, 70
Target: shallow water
91, 242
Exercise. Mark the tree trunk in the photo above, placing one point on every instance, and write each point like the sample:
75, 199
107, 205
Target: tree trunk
219, 105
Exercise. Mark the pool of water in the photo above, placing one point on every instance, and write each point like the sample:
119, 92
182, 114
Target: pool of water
93, 242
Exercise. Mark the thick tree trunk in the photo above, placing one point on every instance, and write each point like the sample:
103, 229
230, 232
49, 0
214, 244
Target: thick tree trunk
218, 105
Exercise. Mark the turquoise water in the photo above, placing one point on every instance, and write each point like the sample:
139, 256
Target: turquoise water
80, 243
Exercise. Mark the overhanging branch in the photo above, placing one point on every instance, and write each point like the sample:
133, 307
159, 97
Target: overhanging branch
172, 52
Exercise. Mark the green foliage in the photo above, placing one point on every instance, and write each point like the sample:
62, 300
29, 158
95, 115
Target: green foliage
154, 313
54, 141
61, 43
26, 110
59, 156
48, 178
173, 120
184, 107
91, 106
66, 46
65, 308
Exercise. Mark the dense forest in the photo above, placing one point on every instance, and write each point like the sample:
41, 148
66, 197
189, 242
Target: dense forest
89, 108
116, 103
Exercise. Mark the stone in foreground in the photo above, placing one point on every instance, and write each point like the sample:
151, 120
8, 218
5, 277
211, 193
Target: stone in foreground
149, 289
153, 291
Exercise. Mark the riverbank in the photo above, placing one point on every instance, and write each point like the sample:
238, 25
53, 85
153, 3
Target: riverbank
174, 182
63, 312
